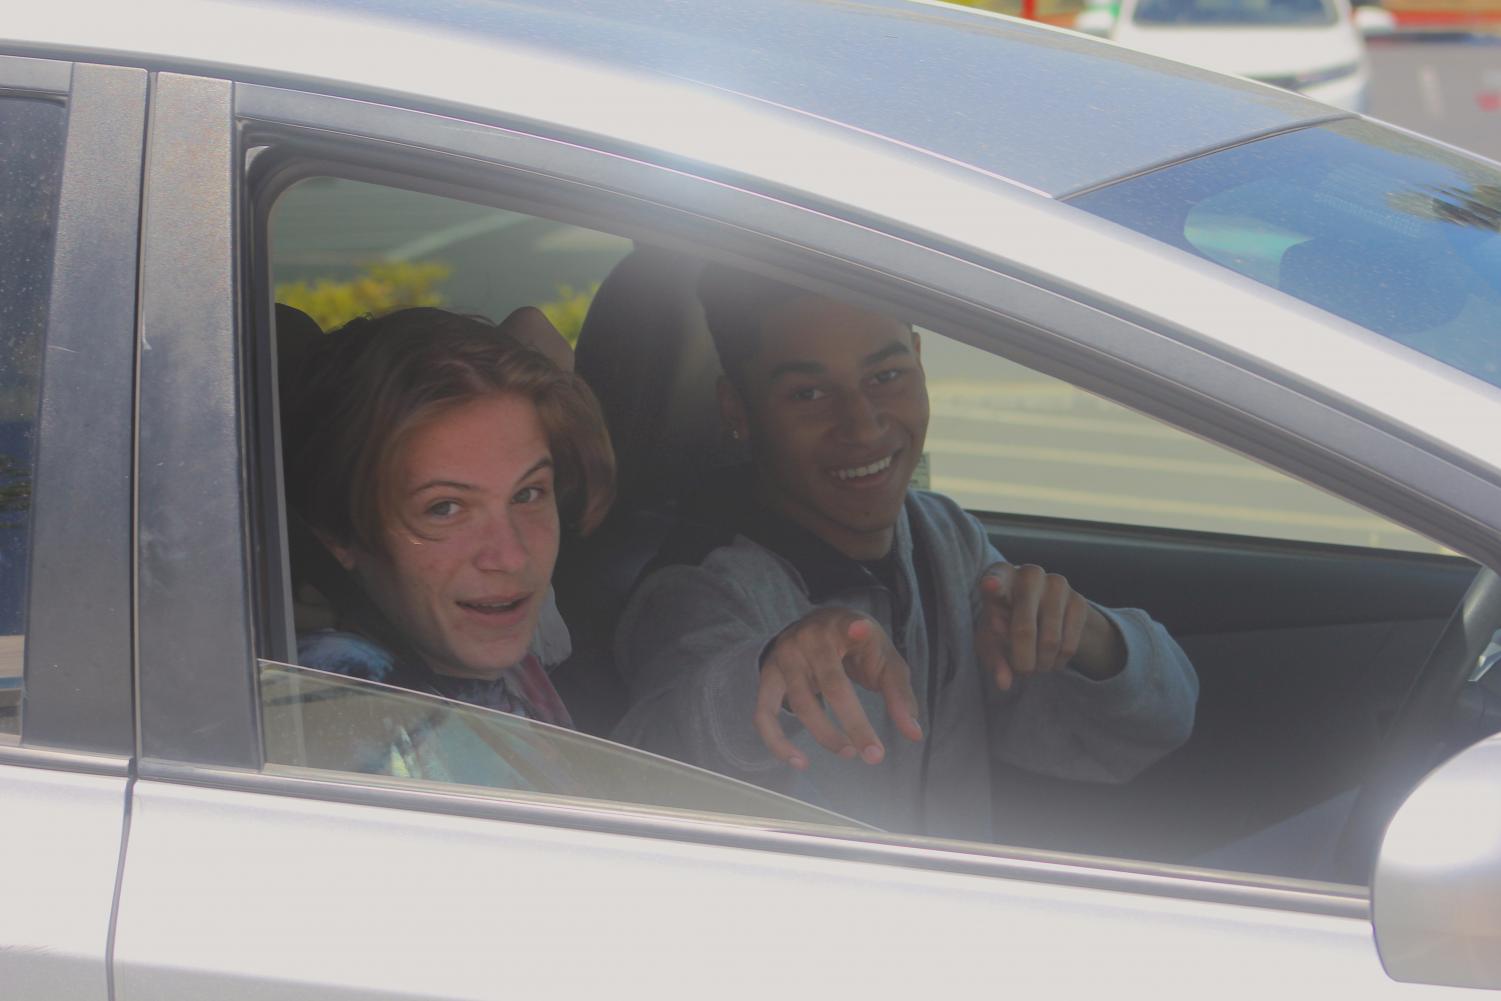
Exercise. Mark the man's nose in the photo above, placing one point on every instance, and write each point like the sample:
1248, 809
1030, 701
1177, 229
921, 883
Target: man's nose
501, 546
859, 418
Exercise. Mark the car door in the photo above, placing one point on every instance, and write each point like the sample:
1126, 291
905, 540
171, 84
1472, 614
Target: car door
70, 154
246, 879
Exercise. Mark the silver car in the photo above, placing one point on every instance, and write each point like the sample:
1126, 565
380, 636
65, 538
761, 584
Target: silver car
1208, 348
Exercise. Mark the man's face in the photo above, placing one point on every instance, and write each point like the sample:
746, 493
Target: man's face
835, 406
471, 539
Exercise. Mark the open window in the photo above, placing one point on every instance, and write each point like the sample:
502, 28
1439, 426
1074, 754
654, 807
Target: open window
1306, 618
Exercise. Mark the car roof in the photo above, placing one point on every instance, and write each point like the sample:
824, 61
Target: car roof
1040, 107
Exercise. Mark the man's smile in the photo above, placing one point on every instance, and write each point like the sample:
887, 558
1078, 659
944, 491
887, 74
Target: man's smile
854, 474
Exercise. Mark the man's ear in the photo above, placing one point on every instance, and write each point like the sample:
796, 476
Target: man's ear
732, 410
916, 345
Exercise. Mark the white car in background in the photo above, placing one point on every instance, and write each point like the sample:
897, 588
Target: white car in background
1314, 47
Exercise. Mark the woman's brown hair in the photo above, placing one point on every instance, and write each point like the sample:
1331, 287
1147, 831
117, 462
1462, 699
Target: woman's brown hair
362, 389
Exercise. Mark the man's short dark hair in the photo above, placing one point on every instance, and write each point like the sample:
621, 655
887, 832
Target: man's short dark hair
736, 303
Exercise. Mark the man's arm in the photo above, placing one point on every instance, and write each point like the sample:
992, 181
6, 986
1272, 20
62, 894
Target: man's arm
718, 674
689, 645
812, 668
1066, 724
1104, 717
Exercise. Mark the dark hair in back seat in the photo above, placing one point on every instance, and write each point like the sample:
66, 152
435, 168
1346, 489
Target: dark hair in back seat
736, 303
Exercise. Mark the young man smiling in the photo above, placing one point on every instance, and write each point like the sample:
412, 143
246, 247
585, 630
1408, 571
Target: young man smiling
823, 630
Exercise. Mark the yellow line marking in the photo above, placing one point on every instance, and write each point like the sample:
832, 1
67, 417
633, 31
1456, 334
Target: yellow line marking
1235, 513
1113, 460
1125, 423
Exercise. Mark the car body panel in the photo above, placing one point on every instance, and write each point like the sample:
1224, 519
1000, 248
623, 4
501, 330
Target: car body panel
1019, 77
326, 894
238, 883
61, 837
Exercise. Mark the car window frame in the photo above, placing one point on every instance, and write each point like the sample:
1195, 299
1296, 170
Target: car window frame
977, 301
78, 711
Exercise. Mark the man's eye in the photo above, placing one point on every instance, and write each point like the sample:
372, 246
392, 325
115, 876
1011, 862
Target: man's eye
808, 393
889, 375
529, 495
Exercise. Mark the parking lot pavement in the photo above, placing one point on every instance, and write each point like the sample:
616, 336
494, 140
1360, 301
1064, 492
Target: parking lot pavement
1447, 86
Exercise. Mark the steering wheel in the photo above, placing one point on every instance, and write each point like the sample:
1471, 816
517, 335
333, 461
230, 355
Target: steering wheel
1420, 733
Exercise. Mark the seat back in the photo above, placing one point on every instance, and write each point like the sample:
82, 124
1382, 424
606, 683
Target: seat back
646, 352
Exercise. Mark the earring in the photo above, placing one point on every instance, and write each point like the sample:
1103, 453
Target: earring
734, 434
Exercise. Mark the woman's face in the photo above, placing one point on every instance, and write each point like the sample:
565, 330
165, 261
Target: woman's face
471, 537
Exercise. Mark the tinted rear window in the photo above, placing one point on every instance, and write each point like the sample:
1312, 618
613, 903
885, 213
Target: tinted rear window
1390, 231
31, 155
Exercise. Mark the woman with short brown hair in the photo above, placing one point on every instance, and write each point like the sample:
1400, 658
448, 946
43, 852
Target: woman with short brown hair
438, 460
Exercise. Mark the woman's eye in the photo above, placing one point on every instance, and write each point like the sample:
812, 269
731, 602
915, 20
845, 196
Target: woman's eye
529, 495
442, 509
808, 393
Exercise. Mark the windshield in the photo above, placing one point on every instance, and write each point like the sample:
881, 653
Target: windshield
1235, 12
313, 719
1392, 232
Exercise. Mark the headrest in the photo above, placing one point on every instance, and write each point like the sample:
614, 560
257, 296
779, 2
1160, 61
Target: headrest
296, 333
645, 351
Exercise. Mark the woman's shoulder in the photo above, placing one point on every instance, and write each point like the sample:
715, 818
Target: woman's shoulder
344, 653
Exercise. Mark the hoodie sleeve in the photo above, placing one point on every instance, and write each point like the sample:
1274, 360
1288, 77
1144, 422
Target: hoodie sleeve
689, 645
1065, 724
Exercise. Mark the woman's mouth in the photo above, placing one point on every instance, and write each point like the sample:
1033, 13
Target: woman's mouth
494, 606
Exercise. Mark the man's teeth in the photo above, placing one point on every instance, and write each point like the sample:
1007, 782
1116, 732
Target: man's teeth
870, 470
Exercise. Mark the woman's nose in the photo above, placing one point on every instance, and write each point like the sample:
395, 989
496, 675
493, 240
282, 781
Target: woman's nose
501, 546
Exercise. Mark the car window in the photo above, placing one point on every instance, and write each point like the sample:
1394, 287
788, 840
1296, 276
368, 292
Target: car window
343, 248
1209, 13
31, 148
1394, 234
1007, 439
318, 720
1303, 616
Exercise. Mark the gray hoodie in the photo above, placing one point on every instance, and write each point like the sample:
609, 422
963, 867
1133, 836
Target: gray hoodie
691, 640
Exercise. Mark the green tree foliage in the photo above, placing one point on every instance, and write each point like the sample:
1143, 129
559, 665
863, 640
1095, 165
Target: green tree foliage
380, 288
568, 310
387, 285
15, 491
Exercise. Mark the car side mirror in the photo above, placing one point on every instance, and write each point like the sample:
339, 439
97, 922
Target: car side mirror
1372, 20
1095, 21
1436, 893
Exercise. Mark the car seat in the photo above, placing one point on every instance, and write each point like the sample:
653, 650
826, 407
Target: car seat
646, 352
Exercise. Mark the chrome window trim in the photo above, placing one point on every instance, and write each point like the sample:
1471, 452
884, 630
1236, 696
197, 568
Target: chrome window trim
28, 75
1334, 900
65, 761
